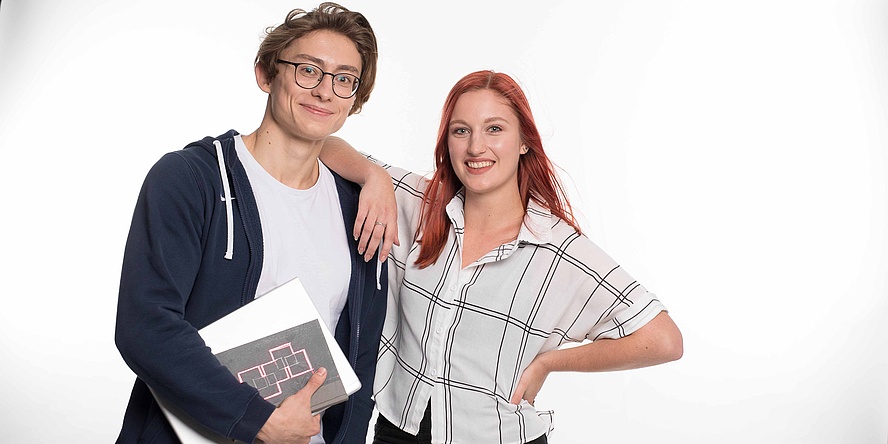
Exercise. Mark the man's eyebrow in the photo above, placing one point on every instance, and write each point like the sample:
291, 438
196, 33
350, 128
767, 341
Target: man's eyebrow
320, 62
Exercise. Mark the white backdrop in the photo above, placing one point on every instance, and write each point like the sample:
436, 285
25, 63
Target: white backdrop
731, 155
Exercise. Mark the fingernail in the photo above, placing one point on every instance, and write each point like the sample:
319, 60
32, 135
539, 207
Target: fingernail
322, 371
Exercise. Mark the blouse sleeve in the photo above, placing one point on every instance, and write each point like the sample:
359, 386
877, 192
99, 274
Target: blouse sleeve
611, 303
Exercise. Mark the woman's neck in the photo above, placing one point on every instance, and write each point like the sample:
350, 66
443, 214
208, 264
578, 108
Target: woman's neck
490, 222
484, 213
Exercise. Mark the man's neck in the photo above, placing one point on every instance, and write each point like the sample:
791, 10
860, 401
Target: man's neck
292, 161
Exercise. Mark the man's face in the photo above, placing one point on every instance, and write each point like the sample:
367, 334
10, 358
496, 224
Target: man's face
313, 114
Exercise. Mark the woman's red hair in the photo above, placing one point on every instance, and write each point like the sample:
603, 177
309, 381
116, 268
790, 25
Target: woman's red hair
536, 175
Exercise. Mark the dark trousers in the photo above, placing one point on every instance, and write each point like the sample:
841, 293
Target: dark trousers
388, 433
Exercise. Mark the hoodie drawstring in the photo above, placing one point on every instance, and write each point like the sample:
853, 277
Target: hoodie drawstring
378, 271
229, 212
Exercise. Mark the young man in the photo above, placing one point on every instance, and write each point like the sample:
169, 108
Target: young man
227, 219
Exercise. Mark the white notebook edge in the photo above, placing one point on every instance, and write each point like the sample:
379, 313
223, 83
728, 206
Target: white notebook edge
253, 321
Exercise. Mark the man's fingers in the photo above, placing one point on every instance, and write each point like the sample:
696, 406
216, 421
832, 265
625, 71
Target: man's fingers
316, 381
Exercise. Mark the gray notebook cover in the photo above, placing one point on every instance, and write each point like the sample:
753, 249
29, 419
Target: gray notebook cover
280, 364
273, 352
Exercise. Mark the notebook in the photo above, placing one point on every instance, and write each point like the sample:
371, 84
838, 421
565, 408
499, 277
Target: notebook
274, 353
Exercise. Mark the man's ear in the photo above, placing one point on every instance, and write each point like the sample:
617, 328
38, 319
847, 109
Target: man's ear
262, 78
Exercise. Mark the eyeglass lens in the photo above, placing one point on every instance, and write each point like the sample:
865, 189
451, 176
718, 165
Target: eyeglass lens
309, 76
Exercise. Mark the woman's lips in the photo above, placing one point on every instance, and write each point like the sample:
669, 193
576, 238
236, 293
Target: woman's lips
479, 164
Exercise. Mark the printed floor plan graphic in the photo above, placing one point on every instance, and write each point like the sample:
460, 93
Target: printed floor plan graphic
285, 367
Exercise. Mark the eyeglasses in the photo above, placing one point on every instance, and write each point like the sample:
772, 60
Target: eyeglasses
309, 76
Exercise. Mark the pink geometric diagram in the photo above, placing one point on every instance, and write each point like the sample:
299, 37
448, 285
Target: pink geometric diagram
285, 367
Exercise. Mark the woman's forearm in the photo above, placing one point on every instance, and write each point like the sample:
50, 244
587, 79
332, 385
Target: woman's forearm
376, 225
657, 342
342, 158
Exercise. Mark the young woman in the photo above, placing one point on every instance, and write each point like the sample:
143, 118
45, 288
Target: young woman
495, 278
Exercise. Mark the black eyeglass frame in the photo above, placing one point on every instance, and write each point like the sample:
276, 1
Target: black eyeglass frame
321, 78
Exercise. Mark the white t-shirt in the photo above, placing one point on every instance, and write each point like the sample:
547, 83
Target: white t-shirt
303, 235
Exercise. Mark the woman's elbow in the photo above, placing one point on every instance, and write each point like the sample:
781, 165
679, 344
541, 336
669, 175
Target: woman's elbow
671, 340
668, 338
674, 347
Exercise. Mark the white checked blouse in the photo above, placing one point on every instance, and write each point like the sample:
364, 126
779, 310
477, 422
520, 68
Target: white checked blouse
462, 337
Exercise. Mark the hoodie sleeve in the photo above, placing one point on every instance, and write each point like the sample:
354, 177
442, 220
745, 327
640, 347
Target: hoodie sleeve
162, 258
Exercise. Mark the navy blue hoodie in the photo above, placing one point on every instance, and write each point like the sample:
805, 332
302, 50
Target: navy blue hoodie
193, 255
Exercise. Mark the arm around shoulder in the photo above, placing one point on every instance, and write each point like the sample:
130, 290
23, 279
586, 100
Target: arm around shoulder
343, 158
377, 223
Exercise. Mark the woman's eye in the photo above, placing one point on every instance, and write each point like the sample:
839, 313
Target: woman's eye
495, 129
460, 131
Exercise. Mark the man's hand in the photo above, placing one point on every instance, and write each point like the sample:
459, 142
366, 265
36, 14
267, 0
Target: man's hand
377, 222
292, 422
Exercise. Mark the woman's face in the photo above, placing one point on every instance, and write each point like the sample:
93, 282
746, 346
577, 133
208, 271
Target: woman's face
484, 142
